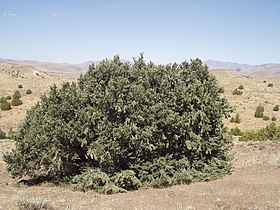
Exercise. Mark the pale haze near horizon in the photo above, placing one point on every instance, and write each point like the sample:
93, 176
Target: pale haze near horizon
74, 31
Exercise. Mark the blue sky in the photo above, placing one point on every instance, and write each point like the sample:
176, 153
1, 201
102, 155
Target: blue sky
73, 31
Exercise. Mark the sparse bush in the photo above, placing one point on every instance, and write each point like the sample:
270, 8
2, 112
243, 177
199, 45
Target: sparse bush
19, 86
2, 134
236, 119
221, 90
17, 94
16, 102
11, 133
266, 118
235, 131
237, 92
8, 97
270, 132
270, 85
3, 99
127, 180
259, 112
241, 87
28, 91
23, 203
273, 118
5, 105
264, 81
126, 125
276, 108
90, 179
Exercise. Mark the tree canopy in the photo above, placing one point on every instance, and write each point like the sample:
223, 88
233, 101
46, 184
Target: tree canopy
123, 125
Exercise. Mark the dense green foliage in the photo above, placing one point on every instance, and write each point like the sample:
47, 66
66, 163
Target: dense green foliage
270, 132
2, 134
5, 105
237, 92
259, 112
124, 125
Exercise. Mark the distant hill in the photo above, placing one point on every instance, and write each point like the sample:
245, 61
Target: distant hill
225, 65
66, 70
63, 70
264, 71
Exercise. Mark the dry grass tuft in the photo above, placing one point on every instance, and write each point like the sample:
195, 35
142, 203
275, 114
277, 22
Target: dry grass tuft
38, 203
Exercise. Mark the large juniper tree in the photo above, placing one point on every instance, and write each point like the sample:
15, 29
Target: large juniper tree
122, 126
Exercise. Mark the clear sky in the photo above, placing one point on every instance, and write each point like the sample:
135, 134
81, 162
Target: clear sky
73, 31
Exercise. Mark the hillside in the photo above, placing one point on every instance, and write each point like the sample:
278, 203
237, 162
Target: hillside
253, 183
61, 70
30, 78
72, 71
255, 93
265, 71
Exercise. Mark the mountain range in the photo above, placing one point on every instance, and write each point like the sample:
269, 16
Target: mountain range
264, 71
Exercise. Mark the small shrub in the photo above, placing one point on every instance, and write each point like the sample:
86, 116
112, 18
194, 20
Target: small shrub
5, 105
236, 119
2, 134
237, 92
8, 97
276, 108
10, 133
2, 99
28, 91
90, 179
20, 86
235, 131
264, 81
269, 133
259, 112
266, 118
17, 94
273, 118
241, 87
270, 85
37, 203
16, 102
221, 90
127, 180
